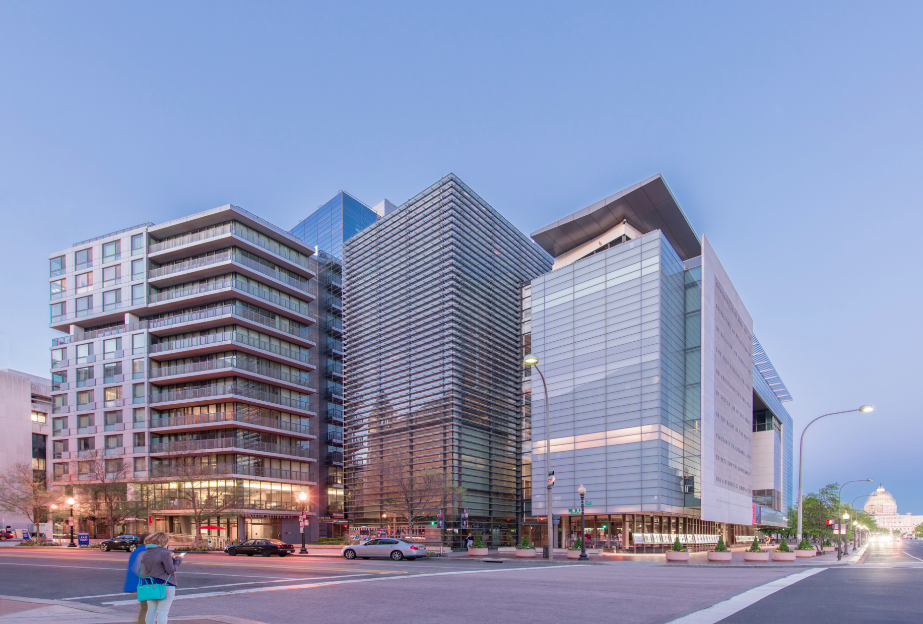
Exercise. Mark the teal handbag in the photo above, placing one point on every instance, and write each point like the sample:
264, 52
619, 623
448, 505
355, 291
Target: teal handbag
149, 590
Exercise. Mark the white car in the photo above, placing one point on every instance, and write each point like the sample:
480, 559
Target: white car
385, 547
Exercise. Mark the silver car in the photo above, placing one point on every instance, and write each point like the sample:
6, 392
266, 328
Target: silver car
385, 547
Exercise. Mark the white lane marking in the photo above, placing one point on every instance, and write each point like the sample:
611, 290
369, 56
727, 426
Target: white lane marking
284, 580
371, 580
45, 565
729, 607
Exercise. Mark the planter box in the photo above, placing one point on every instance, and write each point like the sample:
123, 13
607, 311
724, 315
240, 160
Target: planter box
719, 556
804, 554
754, 556
677, 556
783, 556
525, 552
829, 549
573, 554
477, 552
507, 550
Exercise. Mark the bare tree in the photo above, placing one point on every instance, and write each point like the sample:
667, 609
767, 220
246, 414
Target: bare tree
21, 491
196, 487
106, 489
408, 492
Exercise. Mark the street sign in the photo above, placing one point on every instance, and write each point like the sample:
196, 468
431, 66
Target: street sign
573, 511
83, 539
25, 535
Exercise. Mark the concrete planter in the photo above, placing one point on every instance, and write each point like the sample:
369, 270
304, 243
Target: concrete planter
719, 556
477, 552
525, 552
677, 556
573, 554
829, 549
783, 556
756, 556
804, 554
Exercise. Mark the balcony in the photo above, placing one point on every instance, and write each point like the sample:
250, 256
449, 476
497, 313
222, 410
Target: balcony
300, 286
335, 414
196, 394
334, 369
228, 365
335, 437
335, 327
334, 350
334, 305
231, 417
230, 283
334, 281
110, 234
334, 458
277, 324
216, 470
225, 230
334, 396
230, 338
335, 481
192, 446
99, 333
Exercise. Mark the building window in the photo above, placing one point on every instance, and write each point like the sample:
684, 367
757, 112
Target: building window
38, 417
139, 464
113, 441
111, 346
83, 259
137, 294
86, 444
84, 305
114, 467
60, 470
139, 440
111, 371
138, 346
137, 269
58, 311
112, 300
113, 393
58, 355
137, 244
58, 288
58, 266
112, 275
112, 251
58, 425
85, 420
113, 418
84, 351
85, 397
84, 282
137, 393
84, 375
138, 416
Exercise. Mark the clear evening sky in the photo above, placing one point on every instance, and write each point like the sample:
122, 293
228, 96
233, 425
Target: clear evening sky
789, 132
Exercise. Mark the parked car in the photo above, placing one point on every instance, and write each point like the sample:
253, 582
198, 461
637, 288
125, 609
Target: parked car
122, 542
5, 535
264, 547
385, 547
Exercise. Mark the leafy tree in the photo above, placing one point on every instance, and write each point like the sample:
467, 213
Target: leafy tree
21, 491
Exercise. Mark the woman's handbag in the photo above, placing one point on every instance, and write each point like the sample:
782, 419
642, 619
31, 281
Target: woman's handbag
149, 590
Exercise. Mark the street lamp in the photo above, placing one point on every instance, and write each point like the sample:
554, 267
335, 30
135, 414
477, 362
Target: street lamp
532, 360
855, 534
845, 536
863, 409
71, 501
303, 497
845, 517
582, 491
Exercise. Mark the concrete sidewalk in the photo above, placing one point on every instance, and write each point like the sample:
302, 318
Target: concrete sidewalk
38, 611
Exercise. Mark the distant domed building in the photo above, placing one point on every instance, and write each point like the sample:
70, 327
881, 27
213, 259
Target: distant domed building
881, 502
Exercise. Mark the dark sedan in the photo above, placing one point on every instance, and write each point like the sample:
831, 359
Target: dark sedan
264, 547
122, 542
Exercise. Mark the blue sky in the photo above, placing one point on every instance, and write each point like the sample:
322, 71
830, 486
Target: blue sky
789, 132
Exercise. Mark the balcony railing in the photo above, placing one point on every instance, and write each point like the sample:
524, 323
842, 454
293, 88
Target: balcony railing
334, 480
231, 365
197, 263
172, 504
334, 414
262, 319
334, 368
134, 227
230, 282
334, 304
222, 230
335, 437
224, 443
99, 333
335, 458
220, 417
334, 280
231, 388
161, 472
208, 339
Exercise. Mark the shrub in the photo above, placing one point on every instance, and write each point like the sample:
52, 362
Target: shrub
577, 545
804, 545
827, 542
477, 542
721, 546
783, 547
524, 544
33, 543
195, 549
677, 547
331, 540
755, 546
430, 553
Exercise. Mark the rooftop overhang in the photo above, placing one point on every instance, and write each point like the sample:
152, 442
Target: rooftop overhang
646, 206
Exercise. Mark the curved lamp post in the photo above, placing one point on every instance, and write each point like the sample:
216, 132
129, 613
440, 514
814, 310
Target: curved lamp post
863, 409
532, 360
71, 502
582, 491
304, 516
839, 555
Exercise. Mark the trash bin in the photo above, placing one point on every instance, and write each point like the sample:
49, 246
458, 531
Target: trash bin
544, 552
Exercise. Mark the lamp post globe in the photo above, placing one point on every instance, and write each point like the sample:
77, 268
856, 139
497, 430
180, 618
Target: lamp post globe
532, 360
866, 408
303, 497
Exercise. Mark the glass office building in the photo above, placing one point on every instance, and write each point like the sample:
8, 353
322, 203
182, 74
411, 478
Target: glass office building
662, 403
327, 229
432, 339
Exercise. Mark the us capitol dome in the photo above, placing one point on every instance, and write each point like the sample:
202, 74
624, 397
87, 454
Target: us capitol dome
881, 502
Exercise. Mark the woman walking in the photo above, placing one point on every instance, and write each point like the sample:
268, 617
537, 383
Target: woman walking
158, 564
131, 576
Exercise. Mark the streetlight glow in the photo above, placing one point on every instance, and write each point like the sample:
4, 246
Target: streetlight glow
71, 501
531, 360
866, 408
302, 497
581, 490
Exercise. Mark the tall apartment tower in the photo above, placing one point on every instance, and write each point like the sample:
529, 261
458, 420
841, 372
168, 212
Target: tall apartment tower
187, 372
326, 230
432, 318
663, 404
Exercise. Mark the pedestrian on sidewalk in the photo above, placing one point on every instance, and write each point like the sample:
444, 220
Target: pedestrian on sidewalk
470, 541
131, 575
159, 564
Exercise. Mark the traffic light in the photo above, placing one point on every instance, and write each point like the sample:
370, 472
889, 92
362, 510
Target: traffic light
829, 523
432, 523
605, 526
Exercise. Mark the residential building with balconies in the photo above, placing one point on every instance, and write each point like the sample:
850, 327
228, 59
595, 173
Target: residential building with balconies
190, 351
